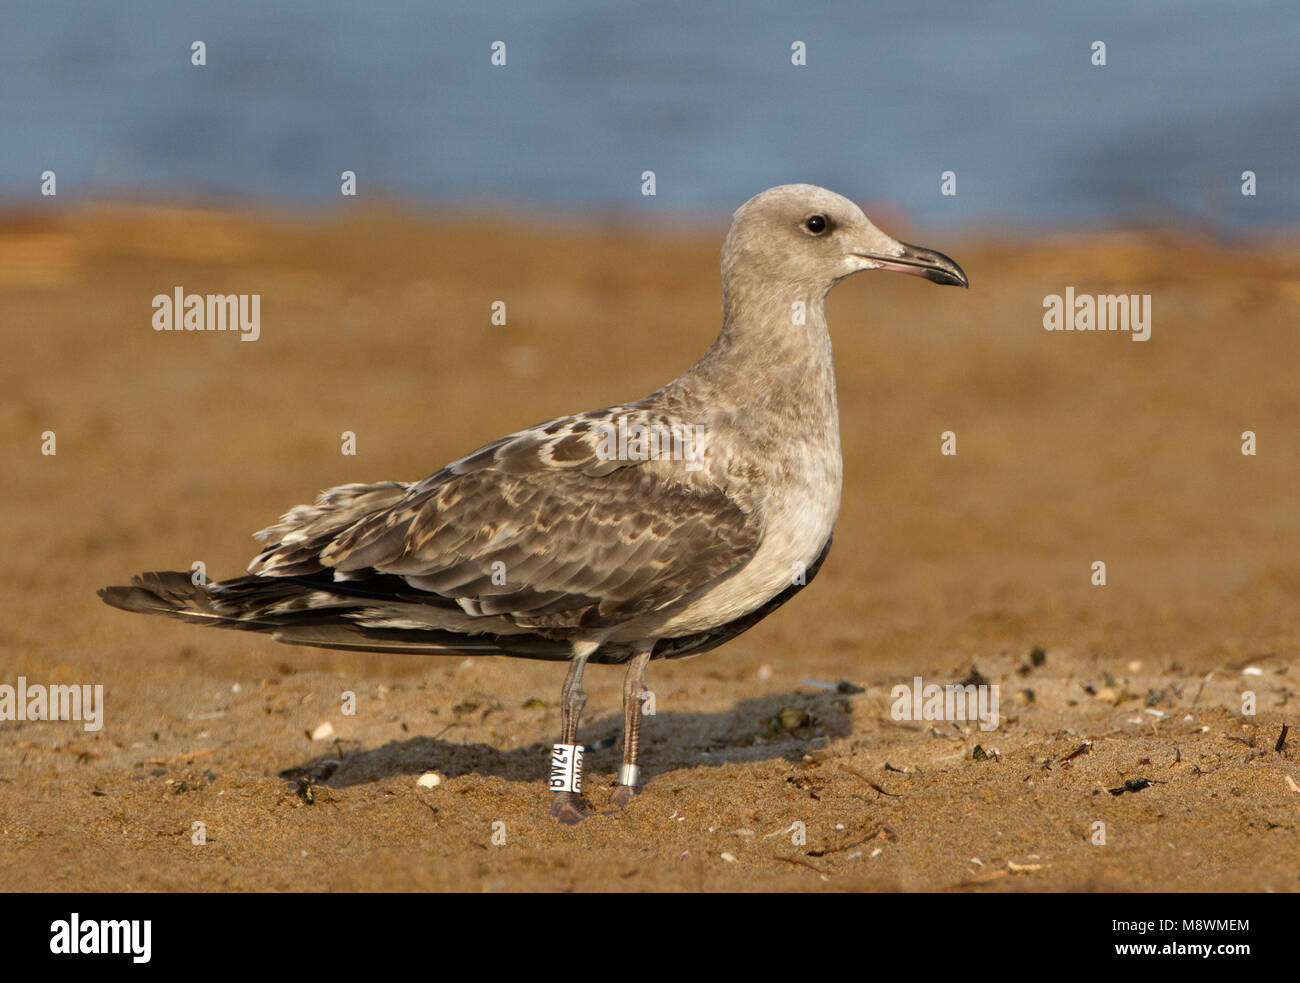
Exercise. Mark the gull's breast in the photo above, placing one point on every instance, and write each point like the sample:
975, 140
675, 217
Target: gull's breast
799, 512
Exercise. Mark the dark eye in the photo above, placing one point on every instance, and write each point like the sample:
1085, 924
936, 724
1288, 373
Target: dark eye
816, 224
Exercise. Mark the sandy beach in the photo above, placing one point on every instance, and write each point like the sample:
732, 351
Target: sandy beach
764, 771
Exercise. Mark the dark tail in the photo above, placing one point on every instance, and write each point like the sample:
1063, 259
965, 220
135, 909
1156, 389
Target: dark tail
175, 594
298, 611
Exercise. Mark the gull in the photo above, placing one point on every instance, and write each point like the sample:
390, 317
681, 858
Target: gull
655, 529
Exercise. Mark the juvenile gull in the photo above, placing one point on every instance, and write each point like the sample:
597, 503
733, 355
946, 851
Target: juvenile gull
587, 538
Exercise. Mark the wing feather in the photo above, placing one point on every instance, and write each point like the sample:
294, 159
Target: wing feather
543, 527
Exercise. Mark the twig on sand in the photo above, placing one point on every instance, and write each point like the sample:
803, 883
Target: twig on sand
884, 833
854, 771
1201, 689
1083, 748
802, 863
1011, 868
992, 875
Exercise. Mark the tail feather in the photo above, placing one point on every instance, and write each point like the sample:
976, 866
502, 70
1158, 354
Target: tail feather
174, 594
298, 611
354, 637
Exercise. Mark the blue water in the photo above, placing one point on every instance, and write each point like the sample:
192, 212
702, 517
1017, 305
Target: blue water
704, 95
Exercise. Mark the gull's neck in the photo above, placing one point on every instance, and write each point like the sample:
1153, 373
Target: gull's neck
765, 360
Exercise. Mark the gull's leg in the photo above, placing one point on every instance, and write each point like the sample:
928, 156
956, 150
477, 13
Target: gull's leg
565, 806
629, 775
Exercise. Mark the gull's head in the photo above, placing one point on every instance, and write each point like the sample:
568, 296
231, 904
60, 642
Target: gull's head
803, 235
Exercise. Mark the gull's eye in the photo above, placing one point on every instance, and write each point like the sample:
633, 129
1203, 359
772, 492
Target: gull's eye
816, 224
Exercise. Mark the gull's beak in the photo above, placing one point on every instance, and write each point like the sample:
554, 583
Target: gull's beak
919, 261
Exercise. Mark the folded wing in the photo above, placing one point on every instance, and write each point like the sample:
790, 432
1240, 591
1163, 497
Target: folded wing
543, 529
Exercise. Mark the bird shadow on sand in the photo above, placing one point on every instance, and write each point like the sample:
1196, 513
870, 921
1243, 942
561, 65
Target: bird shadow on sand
782, 725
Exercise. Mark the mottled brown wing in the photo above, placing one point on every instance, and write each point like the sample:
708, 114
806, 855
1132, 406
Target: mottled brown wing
542, 528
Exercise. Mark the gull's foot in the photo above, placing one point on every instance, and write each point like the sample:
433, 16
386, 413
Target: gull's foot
567, 808
623, 794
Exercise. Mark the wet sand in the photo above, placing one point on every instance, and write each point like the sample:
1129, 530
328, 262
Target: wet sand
1071, 448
